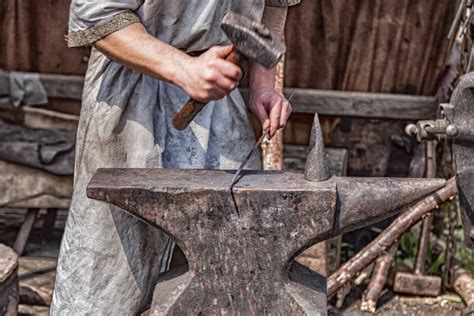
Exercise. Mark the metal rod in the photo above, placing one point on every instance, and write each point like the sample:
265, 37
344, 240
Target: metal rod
247, 158
259, 142
457, 18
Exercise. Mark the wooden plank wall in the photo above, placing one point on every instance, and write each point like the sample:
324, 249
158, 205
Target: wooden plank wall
396, 46
32, 38
383, 46
365, 45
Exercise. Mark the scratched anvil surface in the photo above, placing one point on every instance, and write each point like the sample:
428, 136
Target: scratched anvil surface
240, 246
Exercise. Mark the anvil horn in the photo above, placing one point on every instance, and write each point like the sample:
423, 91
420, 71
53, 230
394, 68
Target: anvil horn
365, 201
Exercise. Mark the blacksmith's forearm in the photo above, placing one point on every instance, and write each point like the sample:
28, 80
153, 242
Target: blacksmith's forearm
135, 48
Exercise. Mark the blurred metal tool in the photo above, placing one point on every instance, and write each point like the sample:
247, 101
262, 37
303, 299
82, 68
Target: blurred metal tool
247, 158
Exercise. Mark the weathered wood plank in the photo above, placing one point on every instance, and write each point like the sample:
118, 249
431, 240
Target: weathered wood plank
56, 86
36, 117
361, 104
62, 86
26, 187
12, 218
8, 281
343, 103
50, 150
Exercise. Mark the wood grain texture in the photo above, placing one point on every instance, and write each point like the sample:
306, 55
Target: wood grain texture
357, 104
360, 104
32, 38
369, 45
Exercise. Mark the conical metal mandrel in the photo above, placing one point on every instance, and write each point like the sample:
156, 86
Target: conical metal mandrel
316, 168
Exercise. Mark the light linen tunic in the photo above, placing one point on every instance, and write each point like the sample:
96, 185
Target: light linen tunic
109, 261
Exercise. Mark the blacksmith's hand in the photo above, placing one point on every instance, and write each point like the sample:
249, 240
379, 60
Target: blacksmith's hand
270, 107
206, 77
209, 76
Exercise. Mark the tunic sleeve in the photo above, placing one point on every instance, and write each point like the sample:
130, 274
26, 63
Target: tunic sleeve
89, 21
281, 3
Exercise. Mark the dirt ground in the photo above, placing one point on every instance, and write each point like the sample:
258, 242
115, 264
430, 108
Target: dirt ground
392, 304
448, 304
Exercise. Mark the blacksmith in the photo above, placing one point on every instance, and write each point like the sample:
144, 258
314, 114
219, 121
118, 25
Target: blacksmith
148, 58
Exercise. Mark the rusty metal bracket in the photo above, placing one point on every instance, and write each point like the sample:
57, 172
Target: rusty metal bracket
432, 130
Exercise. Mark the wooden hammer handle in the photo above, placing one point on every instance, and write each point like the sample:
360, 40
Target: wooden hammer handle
188, 112
192, 108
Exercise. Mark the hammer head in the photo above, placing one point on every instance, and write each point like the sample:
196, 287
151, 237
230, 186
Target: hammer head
253, 39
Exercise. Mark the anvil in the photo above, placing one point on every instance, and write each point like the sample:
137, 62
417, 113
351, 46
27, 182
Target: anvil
240, 245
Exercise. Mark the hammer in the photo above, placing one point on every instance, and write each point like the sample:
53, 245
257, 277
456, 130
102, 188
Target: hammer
418, 283
253, 40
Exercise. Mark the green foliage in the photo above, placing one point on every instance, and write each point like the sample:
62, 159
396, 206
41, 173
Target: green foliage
347, 251
466, 257
436, 256
435, 267
407, 250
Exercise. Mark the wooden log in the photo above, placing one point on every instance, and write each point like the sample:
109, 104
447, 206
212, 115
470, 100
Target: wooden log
369, 253
464, 286
13, 218
36, 280
377, 282
24, 233
30, 296
8, 281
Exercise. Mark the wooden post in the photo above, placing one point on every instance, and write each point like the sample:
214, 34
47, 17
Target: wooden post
272, 151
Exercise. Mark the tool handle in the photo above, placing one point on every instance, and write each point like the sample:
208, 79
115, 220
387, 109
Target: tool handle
189, 111
427, 223
192, 108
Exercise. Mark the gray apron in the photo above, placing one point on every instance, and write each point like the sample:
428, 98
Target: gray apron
109, 261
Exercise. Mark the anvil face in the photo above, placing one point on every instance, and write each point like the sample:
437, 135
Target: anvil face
240, 245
